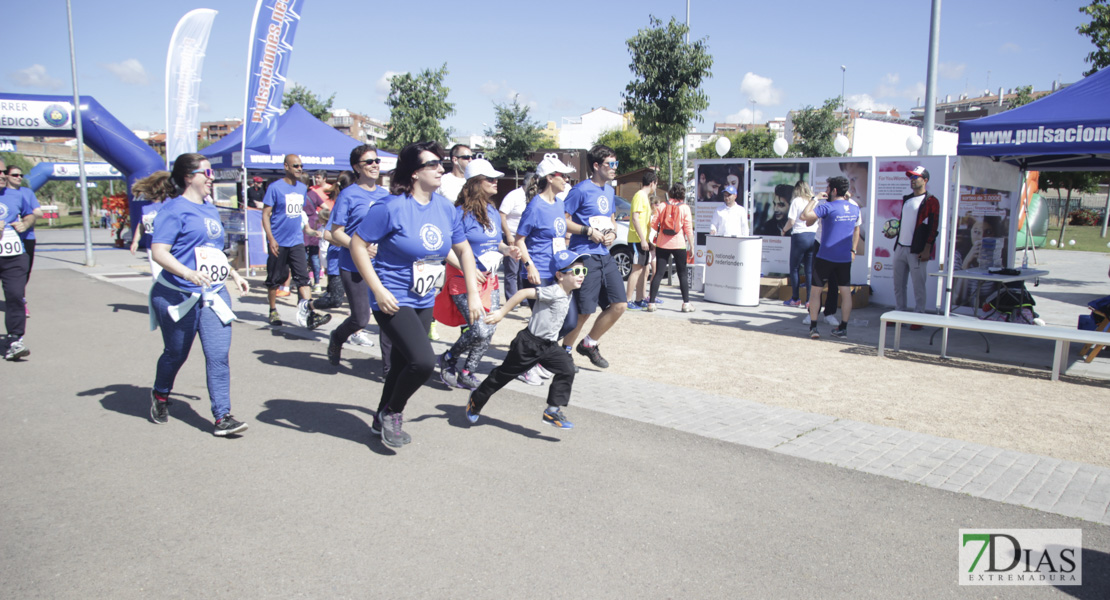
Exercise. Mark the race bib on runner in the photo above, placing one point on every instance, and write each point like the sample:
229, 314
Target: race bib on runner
559, 243
294, 205
601, 223
426, 277
148, 223
491, 260
213, 263
10, 243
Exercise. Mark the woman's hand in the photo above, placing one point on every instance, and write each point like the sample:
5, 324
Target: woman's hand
240, 283
480, 277
533, 275
386, 302
197, 278
371, 250
474, 307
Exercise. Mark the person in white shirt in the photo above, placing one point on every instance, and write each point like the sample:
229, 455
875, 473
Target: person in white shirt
803, 240
452, 183
731, 220
512, 207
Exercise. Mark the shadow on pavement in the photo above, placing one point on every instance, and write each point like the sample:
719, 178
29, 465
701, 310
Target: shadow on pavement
456, 417
136, 308
305, 361
1095, 582
134, 401
325, 418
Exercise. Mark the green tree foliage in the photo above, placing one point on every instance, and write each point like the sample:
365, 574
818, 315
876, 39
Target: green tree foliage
1099, 32
315, 105
1083, 182
1022, 96
417, 104
65, 192
814, 130
758, 143
665, 93
515, 136
631, 153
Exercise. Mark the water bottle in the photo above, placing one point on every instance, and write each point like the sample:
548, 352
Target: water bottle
1025, 260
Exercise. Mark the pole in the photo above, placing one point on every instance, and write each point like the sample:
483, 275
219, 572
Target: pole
685, 151
90, 260
843, 100
1106, 211
931, 81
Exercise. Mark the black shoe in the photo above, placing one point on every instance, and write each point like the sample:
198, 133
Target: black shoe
841, 331
813, 332
275, 320
228, 425
316, 319
159, 407
593, 354
334, 350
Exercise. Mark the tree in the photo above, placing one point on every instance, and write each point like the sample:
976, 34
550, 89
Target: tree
814, 129
515, 136
1022, 96
631, 153
1079, 181
1099, 32
665, 93
757, 143
417, 104
317, 107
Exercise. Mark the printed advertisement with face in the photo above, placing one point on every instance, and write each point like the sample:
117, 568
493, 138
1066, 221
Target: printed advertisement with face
712, 177
858, 173
891, 186
772, 190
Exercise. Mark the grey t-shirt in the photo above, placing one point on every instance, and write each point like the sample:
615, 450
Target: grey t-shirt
552, 304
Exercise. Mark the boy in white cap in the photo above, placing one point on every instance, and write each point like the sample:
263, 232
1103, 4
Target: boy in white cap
539, 342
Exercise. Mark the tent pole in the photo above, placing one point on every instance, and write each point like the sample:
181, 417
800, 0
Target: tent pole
948, 277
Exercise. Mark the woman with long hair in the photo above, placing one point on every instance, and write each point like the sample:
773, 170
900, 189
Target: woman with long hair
414, 230
482, 224
156, 187
512, 207
802, 240
189, 296
673, 245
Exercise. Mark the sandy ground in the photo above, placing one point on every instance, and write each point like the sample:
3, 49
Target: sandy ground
996, 405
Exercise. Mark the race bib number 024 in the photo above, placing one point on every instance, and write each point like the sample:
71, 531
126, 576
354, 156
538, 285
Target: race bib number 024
426, 277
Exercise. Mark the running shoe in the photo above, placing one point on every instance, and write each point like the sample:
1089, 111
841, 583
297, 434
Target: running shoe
813, 335
806, 321
593, 354
471, 411
303, 313
282, 292
650, 308
841, 331
687, 307
793, 303
659, 301
556, 418
467, 381
832, 320
275, 320
530, 377
542, 372
335, 349
318, 289
447, 373
316, 319
392, 434
228, 425
376, 429
633, 305
26, 310
159, 407
361, 338
17, 350
432, 333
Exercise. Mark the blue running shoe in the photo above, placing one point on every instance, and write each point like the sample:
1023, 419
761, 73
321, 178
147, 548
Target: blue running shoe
557, 419
633, 305
471, 411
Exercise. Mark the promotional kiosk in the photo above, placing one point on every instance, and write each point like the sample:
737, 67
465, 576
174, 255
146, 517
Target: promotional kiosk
732, 267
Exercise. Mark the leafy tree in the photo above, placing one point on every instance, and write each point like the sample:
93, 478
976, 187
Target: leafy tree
1023, 95
417, 104
515, 136
665, 93
631, 153
757, 143
1099, 32
65, 191
1078, 181
316, 106
815, 128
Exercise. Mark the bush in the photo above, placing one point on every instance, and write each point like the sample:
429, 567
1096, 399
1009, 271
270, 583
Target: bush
1084, 216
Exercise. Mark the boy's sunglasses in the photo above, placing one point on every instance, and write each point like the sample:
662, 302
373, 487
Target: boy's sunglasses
579, 270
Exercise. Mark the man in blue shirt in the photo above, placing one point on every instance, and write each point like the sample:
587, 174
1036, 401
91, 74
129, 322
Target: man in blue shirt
839, 238
283, 222
590, 221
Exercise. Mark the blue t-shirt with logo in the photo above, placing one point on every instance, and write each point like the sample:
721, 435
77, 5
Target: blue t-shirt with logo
349, 210
586, 200
288, 204
838, 222
407, 232
481, 239
30, 203
540, 224
146, 225
13, 207
185, 226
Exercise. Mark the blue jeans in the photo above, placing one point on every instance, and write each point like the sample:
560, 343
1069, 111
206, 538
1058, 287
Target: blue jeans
512, 270
801, 256
313, 254
215, 340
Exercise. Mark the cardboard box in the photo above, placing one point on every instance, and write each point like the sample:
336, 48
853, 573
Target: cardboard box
772, 287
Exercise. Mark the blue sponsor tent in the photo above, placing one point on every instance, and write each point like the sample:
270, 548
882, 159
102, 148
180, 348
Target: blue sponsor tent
319, 145
1065, 131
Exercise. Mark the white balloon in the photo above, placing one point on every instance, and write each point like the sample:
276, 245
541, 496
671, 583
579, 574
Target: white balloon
1051, 242
781, 146
913, 143
723, 145
1071, 242
840, 143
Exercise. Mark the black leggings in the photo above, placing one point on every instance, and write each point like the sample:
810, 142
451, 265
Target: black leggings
333, 297
661, 255
358, 296
412, 360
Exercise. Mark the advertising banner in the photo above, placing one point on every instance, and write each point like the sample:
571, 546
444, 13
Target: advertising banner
271, 47
712, 176
858, 172
92, 169
772, 189
36, 115
184, 62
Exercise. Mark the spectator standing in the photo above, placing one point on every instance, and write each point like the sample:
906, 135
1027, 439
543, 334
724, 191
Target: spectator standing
672, 243
839, 237
451, 183
917, 234
639, 225
802, 244
512, 207
256, 194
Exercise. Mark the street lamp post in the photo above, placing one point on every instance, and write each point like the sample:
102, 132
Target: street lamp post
753, 113
843, 100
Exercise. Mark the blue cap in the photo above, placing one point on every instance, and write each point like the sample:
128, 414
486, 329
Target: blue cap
730, 189
565, 258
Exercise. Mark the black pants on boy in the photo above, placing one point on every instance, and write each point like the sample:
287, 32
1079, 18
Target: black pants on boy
524, 353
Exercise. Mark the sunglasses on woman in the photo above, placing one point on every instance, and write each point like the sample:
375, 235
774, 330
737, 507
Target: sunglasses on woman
371, 161
207, 172
431, 164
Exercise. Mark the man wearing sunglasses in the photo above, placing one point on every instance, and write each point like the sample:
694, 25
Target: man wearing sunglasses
452, 183
283, 222
913, 247
590, 221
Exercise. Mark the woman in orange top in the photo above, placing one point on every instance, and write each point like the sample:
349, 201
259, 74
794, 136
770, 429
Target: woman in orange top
675, 233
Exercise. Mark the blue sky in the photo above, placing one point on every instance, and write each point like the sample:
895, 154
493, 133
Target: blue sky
562, 58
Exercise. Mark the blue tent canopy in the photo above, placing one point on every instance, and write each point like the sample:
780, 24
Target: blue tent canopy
1065, 131
319, 145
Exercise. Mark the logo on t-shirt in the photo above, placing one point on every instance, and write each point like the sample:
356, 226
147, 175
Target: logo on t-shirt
3, 212
213, 228
603, 204
560, 227
431, 237
489, 230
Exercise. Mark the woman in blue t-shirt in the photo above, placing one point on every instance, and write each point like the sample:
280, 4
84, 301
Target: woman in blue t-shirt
156, 187
189, 296
482, 225
414, 230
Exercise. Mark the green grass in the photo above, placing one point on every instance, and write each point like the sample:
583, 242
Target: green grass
1086, 238
66, 222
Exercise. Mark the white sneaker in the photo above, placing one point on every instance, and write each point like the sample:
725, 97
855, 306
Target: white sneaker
806, 321
542, 372
832, 320
361, 338
530, 377
302, 313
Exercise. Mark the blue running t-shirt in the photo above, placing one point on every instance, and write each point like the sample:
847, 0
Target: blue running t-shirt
586, 201
288, 204
540, 226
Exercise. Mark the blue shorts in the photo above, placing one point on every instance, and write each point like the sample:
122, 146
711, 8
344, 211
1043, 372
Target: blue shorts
603, 285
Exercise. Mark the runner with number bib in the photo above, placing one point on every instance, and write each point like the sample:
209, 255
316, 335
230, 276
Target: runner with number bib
189, 296
156, 187
16, 216
414, 230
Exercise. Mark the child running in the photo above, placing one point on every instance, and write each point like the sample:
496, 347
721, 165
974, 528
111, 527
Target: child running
538, 342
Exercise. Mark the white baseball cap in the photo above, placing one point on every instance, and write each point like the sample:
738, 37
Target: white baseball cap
551, 164
481, 166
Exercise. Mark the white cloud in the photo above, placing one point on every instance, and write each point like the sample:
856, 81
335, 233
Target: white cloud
1009, 48
889, 88
745, 116
952, 70
382, 85
35, 76
761, 89
865, 102
130, 71
490, 88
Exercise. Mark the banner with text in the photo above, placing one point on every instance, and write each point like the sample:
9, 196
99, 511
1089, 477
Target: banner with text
184, 63
275, 23
36, 114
